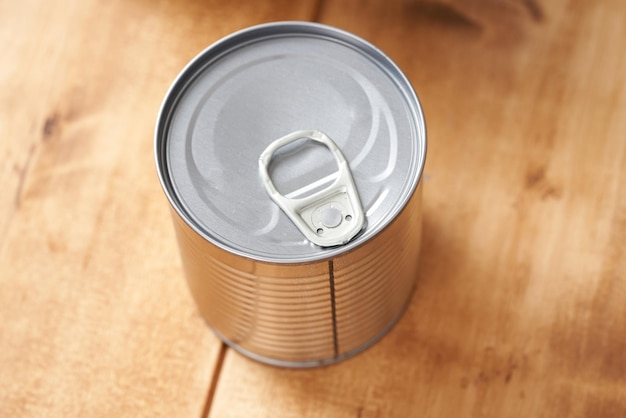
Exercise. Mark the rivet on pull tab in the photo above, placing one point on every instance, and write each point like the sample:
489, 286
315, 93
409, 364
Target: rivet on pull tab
329, 217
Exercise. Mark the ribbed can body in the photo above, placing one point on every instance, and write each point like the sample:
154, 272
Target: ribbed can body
305, 314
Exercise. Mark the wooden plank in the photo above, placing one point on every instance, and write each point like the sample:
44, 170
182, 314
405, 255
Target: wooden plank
94, 312
520, 305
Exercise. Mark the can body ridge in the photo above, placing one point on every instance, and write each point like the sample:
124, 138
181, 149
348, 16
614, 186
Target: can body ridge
305, 314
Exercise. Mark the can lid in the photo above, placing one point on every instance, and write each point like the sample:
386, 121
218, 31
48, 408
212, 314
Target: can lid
262, 83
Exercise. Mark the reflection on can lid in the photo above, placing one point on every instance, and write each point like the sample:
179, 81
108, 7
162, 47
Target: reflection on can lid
260, 84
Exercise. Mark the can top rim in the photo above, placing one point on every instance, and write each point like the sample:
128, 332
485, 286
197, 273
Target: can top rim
277, 30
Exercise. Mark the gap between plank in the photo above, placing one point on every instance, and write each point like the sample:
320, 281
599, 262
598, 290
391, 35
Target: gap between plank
317, 12
217, 371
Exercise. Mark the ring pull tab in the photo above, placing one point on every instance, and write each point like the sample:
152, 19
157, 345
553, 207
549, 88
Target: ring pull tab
329, 217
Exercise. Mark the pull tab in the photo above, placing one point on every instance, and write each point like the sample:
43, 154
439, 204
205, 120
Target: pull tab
329, 217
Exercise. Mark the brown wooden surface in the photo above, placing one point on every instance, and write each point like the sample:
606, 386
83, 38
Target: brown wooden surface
520, 308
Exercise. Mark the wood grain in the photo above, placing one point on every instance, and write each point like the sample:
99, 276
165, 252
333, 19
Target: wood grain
95, 318
520, 308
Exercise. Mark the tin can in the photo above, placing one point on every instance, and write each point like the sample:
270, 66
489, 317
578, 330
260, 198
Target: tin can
292, 156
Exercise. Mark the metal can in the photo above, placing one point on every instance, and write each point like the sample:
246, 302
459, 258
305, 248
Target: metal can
263, 281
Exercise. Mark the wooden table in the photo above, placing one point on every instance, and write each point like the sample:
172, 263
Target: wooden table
520, 308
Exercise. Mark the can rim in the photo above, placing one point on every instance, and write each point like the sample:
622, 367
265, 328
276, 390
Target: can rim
284, 27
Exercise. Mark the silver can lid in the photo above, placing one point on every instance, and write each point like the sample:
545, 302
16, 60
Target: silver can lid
260, 84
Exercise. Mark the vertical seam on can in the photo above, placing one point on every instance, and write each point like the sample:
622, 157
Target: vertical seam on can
331, 278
